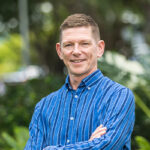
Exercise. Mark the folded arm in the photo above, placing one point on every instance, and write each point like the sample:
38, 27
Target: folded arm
119, 121
119, 127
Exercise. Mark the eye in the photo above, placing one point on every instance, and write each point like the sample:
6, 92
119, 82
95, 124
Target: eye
85, 43
68, 45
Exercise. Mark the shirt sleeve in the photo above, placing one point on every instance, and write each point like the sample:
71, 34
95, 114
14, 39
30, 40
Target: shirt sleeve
119, 121
36, 139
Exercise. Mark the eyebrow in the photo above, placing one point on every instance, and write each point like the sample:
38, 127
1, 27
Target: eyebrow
84, 40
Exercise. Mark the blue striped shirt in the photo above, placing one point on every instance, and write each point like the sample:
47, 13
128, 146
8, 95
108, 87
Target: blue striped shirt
66, 119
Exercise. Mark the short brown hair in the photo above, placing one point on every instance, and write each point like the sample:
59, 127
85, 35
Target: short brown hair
80, 20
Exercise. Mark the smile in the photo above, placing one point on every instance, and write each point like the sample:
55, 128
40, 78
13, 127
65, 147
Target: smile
77, 61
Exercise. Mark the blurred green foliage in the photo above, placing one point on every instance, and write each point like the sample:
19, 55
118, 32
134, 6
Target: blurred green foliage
17, 106
18, 141
143, 143
10, 53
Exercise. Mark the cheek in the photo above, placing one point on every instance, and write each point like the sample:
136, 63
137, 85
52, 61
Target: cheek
91, 55
93, 58
65, 57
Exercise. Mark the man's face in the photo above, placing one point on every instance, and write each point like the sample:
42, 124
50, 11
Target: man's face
79, 50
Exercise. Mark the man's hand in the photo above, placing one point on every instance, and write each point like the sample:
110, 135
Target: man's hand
98, 132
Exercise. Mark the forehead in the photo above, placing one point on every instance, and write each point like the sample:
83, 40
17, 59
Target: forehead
77, 33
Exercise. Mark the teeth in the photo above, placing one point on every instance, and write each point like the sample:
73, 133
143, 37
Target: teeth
77, 61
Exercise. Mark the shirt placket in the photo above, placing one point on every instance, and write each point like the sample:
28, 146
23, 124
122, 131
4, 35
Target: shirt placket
72, 114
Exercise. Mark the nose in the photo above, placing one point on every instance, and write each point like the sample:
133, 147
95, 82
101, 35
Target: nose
76, 50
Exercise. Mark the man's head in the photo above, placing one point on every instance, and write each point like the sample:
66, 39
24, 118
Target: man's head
80, 20
80, 45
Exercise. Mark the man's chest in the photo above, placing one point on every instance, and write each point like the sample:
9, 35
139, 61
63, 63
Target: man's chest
72, 119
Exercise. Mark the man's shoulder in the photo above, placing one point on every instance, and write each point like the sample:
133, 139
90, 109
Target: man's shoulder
114, 86
51, 96
116, 92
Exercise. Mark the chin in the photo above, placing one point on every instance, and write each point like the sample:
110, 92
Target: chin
79, 73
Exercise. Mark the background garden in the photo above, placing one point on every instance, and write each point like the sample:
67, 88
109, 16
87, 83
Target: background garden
30, 68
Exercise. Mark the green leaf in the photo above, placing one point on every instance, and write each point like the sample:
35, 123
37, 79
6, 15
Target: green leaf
142, 105
9, 140
21, 134
143, 143
20, 138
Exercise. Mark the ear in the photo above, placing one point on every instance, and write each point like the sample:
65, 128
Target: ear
100, 48
58, 49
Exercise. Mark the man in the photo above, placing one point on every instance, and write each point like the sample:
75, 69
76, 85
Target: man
90, 111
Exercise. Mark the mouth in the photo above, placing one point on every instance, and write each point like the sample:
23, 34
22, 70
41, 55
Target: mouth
77, 61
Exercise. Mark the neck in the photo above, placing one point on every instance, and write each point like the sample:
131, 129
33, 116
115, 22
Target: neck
76, 80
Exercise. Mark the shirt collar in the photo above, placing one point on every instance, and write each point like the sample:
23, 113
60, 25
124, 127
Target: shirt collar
87, 81
67, 83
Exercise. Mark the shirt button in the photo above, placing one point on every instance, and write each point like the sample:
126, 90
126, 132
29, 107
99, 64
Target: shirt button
89, 88
71, 118
76, 96
68, 141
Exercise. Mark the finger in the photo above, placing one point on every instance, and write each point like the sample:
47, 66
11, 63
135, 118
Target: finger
99, 131
98, 135
92, 138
